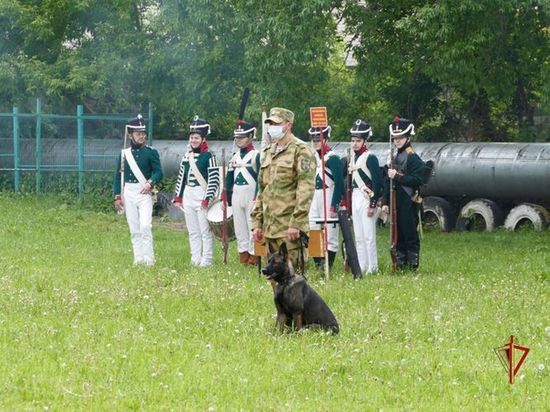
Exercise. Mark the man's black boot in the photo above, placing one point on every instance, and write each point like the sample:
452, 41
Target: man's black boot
331, 257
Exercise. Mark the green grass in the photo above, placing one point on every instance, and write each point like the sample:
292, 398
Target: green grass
81, 328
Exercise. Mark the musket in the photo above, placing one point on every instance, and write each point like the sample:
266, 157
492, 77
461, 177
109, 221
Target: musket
265, 137
349, 178
225, 239
351, 259
393, 215
325, 225
121, 211
263, 144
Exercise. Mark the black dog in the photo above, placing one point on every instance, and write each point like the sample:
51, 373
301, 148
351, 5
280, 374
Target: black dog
296, 302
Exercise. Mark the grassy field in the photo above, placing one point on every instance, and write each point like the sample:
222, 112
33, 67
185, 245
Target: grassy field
81, 329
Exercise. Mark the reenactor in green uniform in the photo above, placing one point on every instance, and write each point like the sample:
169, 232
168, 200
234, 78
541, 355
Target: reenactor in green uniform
408, 175
367, 186
135, 179
241, 188
286, 185
334, 191
196, 188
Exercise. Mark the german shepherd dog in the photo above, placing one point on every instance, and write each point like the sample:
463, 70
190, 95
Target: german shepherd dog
297, 303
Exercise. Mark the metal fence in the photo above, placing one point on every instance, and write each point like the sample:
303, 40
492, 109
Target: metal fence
82, 134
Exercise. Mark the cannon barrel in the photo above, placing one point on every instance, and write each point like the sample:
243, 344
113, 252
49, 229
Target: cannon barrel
502, 171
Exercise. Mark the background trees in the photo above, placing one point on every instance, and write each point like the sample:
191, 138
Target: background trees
468, 70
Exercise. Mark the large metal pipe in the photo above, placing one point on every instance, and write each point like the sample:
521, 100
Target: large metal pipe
500, 171
506, 171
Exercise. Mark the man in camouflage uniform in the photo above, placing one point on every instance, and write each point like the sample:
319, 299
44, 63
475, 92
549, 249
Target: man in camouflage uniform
408, 175
286, 185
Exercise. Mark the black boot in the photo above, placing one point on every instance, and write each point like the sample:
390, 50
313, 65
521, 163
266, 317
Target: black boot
401, 260
331, 257
413, 260
319, 263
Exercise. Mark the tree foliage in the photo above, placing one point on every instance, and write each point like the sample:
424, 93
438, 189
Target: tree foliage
468, 70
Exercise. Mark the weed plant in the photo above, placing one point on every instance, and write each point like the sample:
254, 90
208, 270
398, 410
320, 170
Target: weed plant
83, 329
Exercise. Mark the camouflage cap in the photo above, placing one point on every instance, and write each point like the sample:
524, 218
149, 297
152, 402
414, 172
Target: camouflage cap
279, 115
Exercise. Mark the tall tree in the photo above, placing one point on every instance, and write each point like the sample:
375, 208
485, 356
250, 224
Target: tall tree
482, 60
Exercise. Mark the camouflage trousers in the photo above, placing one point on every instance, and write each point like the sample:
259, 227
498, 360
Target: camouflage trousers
296, 250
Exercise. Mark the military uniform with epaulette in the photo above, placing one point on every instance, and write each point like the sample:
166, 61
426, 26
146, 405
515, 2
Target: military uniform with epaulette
134, 181
367, 187
334, 191
286, 185
148, 161
408, 180
196, 188
242, 187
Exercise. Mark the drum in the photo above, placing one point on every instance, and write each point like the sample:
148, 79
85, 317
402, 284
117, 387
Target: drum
215, 220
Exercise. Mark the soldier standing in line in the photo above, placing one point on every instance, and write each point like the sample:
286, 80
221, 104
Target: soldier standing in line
366, 181
196, 187
286, 184
241, 189
334, 182
408, 175
138, 171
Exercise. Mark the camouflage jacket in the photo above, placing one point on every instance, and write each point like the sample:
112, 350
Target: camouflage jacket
286, 185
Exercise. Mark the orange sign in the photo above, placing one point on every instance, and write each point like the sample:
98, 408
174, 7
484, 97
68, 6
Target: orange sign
318, 116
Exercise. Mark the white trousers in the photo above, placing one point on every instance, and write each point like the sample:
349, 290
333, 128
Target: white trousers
139, 215
316, 213
242, 203
364, 228
200, 234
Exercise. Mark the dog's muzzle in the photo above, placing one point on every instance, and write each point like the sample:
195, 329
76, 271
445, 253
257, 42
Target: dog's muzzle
267, 274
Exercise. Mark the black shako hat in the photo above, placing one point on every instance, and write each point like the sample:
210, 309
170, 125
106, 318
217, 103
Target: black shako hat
401, 127
244, 129
136, 124
361, 129
199, 126
315, 132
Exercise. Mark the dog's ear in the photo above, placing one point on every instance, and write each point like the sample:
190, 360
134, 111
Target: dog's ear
271, 248
283, 251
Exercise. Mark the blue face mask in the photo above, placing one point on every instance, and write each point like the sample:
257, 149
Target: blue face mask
275, 131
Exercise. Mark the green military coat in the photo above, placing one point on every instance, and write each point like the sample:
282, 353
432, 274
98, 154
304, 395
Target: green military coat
148, 160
